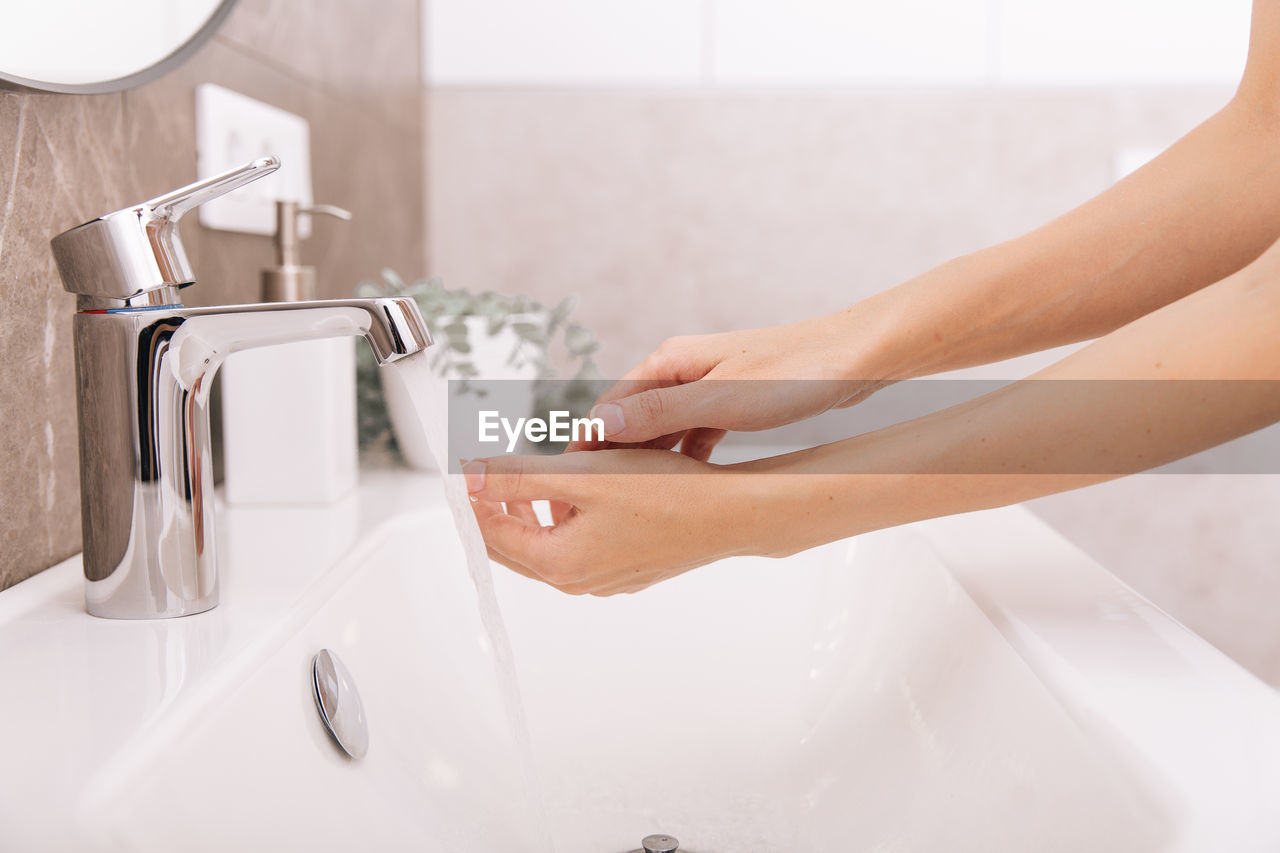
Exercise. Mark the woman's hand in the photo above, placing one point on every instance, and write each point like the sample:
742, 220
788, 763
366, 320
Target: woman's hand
629, 519
693, 389
1189, 376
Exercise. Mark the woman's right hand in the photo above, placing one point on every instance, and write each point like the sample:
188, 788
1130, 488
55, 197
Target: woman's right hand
692, 389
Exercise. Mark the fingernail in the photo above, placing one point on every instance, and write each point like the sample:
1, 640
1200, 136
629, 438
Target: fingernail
610, 414
474, 472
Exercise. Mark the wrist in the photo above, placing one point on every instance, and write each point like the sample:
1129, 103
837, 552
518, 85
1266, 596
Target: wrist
785, 504
870, 341
810, 497
909, 330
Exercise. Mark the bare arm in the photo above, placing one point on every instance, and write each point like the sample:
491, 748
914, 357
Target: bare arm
1200, 211
1203, 209
1038, 437
623, 532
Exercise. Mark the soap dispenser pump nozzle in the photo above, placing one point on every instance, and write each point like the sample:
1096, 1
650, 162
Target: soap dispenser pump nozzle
289, 280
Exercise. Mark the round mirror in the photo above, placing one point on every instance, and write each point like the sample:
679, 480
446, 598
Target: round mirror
93, 46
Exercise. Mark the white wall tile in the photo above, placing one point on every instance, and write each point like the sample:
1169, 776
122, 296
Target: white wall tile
1092, 42
827, 42
563, 42
601, 43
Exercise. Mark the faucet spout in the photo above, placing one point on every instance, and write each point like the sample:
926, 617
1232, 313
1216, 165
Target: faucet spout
393, 327
144, 378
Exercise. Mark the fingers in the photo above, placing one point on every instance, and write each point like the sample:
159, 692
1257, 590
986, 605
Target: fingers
511, 564
538, 553
528, 545
569, 589
523, 510
660, 412
698, 443
662, 442
622, 388
531, 550
516, 540
484, 509
525, 478
675, 362
485, 513
560, 511
640, 419
503, 560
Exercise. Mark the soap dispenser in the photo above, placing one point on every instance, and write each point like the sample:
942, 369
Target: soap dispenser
289, 411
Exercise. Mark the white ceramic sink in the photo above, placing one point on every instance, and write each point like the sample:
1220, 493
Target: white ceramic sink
971, 683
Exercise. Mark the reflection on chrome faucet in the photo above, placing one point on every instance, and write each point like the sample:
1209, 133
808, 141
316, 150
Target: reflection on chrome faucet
144, 367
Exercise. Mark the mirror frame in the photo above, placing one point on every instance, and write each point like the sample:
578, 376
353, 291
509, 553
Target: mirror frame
13, 82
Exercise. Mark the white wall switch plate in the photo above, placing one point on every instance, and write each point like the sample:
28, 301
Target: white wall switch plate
231, 130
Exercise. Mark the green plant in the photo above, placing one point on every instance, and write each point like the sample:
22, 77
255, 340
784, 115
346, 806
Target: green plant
541, 334
537, 328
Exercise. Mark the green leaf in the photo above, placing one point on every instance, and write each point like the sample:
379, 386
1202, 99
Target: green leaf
530, 332
578, 340
393, 280
456, 304
455, 335
562, 311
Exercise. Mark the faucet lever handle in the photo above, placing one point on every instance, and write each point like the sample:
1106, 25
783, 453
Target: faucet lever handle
173, 204
134, 257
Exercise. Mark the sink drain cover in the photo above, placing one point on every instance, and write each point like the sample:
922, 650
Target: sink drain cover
339, 704
658, 844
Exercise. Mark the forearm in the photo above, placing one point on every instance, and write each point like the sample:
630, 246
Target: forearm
1202, 210
1039, 436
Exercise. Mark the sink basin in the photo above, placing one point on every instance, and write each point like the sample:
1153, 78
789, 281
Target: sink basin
971, 683
852, 699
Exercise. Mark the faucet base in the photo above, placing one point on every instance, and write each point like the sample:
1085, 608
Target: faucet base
133, 595
114, 610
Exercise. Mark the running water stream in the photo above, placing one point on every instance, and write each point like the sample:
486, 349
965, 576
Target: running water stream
429, 393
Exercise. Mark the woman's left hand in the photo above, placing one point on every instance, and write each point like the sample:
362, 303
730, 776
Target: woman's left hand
625, 519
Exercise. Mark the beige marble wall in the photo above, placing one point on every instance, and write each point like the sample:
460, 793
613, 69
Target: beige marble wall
690, 211
352, 70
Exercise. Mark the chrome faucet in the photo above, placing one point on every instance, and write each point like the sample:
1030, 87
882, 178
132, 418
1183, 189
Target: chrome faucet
144, 367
